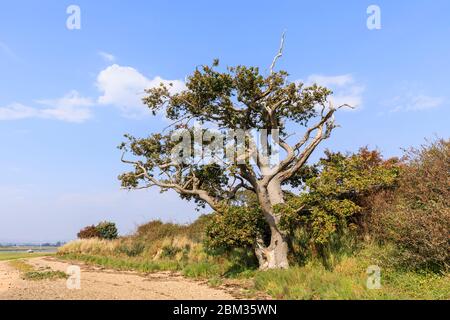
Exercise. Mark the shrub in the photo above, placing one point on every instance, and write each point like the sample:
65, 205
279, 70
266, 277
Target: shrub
104, 230
88, 233
325, 218
234, 227
107, 230
417, 216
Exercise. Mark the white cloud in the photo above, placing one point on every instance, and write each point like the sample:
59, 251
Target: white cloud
410, 101
119, 86
108, 57
123, 87
328, 81
70, 108
345, 89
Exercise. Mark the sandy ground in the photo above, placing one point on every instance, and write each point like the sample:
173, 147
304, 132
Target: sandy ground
98, 283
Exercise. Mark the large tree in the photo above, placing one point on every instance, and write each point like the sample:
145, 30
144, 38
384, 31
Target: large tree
238, 98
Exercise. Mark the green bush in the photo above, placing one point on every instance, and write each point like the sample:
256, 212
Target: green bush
107, 230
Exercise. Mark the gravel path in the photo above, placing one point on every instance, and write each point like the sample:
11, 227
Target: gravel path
98, 283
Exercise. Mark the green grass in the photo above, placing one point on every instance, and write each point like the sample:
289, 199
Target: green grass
202, 270
28, 272
44, 275
348, 282
21, 255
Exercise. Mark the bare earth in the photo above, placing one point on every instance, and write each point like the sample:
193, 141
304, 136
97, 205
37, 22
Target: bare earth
98, 283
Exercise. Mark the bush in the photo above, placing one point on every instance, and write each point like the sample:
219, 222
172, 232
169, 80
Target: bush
104, 230
234, 227
107, 230
88, 233
326, 219
416, 217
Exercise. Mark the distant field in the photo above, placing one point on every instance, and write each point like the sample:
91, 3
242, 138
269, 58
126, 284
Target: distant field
7, 255
20, 252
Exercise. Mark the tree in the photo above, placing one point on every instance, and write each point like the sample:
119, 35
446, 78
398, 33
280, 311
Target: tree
239, 98
107, 230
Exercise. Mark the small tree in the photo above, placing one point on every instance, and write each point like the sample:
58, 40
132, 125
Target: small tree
240, 98
107, 230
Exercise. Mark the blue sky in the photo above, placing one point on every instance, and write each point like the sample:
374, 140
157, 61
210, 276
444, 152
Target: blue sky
68, 96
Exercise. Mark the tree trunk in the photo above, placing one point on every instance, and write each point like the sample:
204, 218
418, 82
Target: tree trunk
274, 256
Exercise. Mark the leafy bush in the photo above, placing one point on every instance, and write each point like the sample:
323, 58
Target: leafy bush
107, 230
333, 207
88, 233
234, 227
416, 217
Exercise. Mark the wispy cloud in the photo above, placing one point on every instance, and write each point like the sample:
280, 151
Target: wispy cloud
70, 108
345, 88
410, 101
17, 111
108, 57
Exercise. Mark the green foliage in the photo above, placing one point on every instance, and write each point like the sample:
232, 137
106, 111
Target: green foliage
45, 275
235, 227
333, 197
211, 95
107, 230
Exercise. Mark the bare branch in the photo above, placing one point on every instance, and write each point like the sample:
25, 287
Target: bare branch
279, 54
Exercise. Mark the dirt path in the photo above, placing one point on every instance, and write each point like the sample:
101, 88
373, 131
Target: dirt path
97, 283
